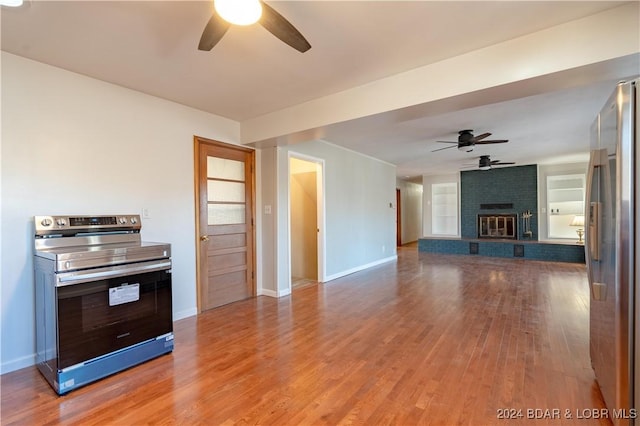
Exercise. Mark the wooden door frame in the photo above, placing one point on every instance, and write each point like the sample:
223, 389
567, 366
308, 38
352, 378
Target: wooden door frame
398, 217
199, 199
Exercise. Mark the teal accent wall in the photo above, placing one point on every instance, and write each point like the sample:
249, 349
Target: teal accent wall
515, 185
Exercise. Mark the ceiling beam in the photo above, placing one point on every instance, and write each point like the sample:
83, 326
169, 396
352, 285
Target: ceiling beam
583, 51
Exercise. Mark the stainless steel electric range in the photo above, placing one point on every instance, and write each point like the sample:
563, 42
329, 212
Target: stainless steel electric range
103, 298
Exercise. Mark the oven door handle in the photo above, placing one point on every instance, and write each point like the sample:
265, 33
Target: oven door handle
77, 277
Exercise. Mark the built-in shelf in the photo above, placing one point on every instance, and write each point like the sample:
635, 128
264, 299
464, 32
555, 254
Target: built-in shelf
565, 199
444, 208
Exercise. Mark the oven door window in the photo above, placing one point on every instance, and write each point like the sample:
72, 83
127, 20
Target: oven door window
103, 316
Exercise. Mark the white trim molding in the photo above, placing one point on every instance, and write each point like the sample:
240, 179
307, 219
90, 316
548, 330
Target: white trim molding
361, 268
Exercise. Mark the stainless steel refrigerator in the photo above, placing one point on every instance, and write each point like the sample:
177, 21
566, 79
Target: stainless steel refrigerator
611, 256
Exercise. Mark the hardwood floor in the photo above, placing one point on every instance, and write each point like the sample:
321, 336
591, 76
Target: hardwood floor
431, 339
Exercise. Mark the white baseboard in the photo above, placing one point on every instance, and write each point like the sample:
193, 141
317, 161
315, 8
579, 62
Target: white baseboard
360, 268
283, 293
17, 364
267, 292
274, 293
185, 313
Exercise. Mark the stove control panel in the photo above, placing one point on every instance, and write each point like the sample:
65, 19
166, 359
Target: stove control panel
66, 225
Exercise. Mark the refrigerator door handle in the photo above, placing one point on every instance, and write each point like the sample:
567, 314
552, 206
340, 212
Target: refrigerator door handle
594, 231
592, 219
587, 213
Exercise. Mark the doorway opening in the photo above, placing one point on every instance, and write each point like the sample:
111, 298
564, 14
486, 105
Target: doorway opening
306, 220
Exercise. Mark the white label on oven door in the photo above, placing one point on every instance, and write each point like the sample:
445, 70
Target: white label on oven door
124, 294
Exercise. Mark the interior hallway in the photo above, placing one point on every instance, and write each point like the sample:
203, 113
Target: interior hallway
431, 339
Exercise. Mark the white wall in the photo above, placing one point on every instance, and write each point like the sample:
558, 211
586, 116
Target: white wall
359, 211
411, 210
75, 145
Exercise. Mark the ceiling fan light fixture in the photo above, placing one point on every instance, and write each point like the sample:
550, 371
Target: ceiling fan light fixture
484, 163
239, 12
11, 3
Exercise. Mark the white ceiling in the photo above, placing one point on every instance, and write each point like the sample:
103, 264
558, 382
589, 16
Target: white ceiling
151, 46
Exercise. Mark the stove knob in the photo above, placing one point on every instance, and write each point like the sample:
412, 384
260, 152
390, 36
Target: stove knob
134, 220
46, 222
61, 222
122, 220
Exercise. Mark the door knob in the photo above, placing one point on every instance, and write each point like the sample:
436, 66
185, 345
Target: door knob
204, 238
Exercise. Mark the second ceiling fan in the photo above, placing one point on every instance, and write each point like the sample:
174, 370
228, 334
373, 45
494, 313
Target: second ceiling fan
486, 163
271, 20
467, 141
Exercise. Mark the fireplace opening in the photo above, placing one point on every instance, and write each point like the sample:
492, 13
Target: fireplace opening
504, 226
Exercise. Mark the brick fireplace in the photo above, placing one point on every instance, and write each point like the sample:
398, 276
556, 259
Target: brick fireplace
498, 192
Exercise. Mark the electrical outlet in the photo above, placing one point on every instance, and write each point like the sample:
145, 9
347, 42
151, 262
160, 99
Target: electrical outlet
145, 214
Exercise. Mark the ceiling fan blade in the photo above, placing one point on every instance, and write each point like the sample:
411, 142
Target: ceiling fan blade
277, 25
479, 137
500, 163
446, 147
447, 142
492, 141
213, 32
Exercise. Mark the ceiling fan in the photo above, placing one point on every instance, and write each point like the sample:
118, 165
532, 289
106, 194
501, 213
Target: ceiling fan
485, 163
466, 141
271, 20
